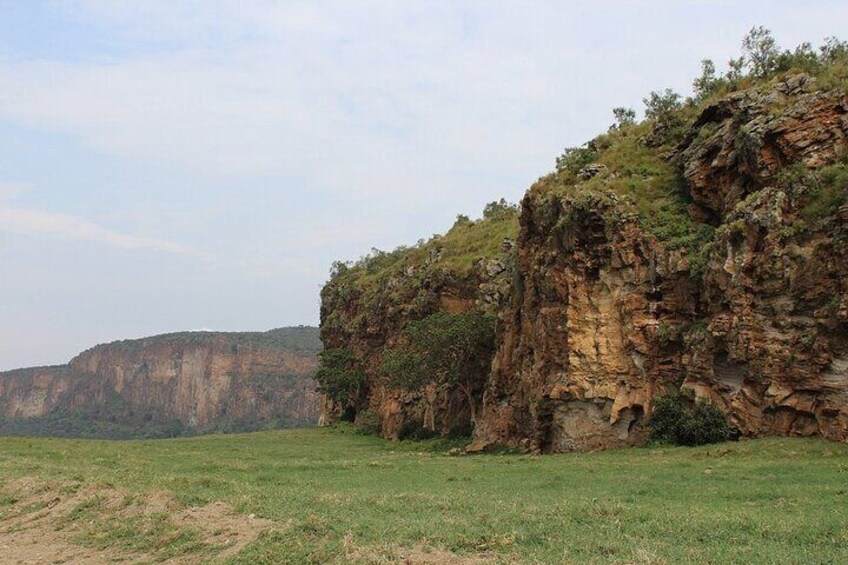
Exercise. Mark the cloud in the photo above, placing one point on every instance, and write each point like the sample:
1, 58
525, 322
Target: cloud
34, 222
9, 190
324, 89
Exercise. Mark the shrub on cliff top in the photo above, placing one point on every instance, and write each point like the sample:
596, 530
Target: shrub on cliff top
672, 421
573, 159
499, 209
454, 252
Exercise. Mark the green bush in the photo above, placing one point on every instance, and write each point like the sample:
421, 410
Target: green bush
415, 430
337, 376
827, 194
575, 158
624, 117
404, 368
672, 421
662, 106
449, 349
747, 146
498, 210
708, 83
368, 422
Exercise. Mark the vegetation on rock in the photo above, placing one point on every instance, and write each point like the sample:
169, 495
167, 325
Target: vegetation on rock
724, 210
672, 421
393, 312
337, 377
451, 350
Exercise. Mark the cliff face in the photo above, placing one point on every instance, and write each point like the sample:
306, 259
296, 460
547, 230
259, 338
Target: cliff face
580, 354
610, 315
365, 308
776, 342
198, 381
28, 393
705, 252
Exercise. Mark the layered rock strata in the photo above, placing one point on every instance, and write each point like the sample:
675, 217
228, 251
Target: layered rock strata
600, 310
206, 381
609, 317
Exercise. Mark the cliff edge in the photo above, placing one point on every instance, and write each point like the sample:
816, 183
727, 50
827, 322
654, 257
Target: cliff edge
192, 382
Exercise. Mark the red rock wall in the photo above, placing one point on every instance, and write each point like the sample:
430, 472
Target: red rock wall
607, 317
206, 383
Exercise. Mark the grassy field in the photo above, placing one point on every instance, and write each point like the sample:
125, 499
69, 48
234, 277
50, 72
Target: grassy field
336, 496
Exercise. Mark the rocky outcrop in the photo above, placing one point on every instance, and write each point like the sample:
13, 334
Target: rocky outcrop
365, 307
196, 382
711, 259
33, 392
774, 349
740, 144
583, 351
608, 316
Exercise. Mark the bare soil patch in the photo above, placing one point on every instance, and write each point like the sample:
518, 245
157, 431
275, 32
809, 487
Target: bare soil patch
62, 522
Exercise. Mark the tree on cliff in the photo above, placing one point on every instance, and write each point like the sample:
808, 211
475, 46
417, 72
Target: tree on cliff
452, 350
337, 376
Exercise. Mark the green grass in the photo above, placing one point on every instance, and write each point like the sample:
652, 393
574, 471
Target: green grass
827, 194
334, 493
460, 247
465, 243
154, 535
646, 182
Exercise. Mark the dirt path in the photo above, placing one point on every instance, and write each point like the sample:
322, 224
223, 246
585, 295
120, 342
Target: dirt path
57, 522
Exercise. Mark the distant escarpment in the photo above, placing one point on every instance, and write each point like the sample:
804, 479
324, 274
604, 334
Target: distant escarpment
174, 384
703, 250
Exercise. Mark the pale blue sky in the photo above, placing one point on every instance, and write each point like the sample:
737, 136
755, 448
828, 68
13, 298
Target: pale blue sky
172, 165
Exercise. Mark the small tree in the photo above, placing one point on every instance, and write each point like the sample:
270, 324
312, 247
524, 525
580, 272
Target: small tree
337, 375
833, 49
339, 268
461, 220
707, 83
661, 106
623, 117
573, 159
498, 209
761, 52
450, 349
735, 70
405, 367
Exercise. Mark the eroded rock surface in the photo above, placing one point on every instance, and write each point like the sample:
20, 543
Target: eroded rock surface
366, 318
733, 289
739, 144
204, 381
608, 316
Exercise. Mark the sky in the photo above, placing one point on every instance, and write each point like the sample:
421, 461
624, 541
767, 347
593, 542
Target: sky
176, 165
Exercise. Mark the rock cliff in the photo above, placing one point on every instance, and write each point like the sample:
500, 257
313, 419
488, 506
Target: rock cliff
366, 306
191, 382
610, 314
704, 251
